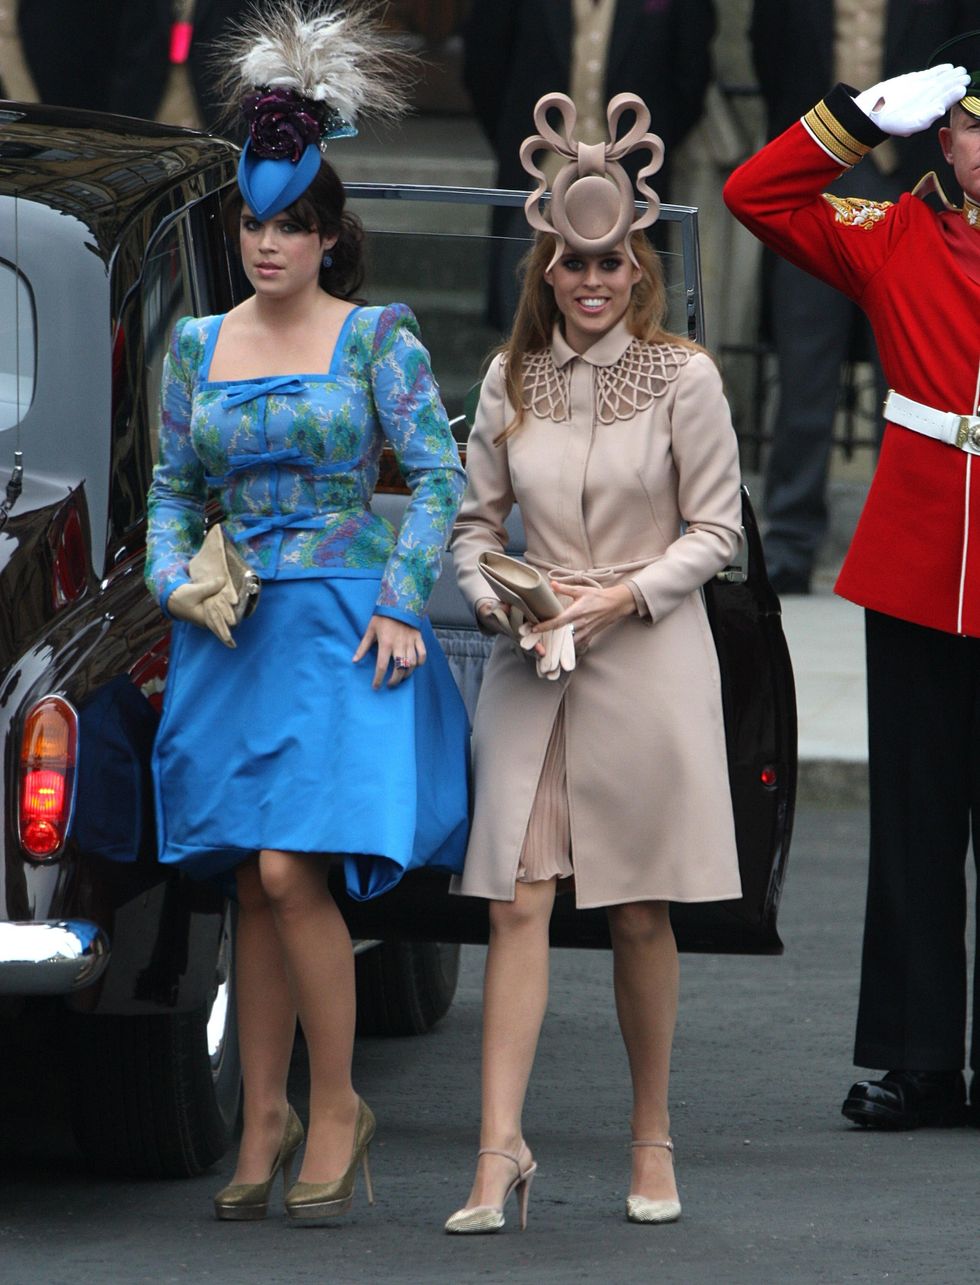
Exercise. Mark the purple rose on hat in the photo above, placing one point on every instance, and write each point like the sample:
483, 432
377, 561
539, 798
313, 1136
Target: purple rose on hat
281, 123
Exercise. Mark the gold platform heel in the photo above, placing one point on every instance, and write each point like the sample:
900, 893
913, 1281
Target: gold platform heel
486, 1218
311, 1202
640, 1209
248, 1201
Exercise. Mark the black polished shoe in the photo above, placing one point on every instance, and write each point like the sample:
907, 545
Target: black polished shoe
908, 1100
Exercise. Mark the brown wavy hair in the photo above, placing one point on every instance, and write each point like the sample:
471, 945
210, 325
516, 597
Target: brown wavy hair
537, 313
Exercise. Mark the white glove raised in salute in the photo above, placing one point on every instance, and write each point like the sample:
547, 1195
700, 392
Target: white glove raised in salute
906, 104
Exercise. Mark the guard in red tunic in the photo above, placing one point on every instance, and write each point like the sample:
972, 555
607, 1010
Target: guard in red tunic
914, 562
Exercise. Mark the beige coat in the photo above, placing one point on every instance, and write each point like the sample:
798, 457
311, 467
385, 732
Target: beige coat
619, 446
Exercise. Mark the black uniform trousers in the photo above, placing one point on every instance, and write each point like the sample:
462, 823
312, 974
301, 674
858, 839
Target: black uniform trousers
924, 779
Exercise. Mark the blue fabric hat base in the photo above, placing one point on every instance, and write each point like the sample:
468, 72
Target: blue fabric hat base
271, 186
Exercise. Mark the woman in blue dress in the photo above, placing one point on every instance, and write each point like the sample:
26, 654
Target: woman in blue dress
316, 725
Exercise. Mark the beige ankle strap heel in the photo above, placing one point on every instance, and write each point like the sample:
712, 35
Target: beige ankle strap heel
639, 1209
486, 1218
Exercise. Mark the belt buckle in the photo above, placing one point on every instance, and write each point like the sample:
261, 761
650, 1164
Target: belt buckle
968, 434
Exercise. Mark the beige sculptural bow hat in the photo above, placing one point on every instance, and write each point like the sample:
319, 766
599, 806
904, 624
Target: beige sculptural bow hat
593, 206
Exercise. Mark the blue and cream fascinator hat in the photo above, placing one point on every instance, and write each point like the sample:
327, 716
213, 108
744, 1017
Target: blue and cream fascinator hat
302, 75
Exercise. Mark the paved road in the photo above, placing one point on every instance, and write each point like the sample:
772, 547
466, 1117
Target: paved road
776, 1187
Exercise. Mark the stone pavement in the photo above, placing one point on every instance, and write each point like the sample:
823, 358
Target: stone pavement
825, 635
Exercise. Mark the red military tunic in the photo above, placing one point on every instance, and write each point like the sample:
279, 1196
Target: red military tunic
915, 271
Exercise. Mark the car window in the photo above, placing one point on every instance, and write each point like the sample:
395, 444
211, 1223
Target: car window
167, 295
186, 272
17, 346
452, 255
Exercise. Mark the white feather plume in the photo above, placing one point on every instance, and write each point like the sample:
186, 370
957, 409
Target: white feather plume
338, 54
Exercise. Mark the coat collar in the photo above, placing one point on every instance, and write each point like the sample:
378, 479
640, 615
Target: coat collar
606, 350
929, 185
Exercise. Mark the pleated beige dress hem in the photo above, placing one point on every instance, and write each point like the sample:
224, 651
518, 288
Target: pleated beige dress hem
547, 850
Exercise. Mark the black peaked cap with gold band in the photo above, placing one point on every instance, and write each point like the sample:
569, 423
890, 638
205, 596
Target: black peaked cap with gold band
963, 51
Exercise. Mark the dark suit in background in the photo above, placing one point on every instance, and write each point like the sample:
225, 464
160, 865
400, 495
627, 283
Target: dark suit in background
106, 55
213, 20
517, 50
814, 326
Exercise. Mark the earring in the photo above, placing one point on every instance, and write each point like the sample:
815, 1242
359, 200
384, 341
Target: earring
328, 260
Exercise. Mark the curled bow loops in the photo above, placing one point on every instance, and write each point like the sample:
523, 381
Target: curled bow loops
532, 209
652, 212
593, 205
561, 141
638, 133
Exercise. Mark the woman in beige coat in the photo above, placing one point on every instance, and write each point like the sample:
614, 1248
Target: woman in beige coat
615, 439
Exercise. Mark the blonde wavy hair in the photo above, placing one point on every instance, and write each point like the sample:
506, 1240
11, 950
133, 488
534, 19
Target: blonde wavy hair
537, 313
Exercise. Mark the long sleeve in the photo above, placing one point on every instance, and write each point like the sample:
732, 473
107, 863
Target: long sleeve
779, 195
489, 496
705, 454
414, 421
178, 491
694, 29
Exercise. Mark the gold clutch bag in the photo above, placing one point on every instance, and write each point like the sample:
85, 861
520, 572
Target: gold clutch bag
520, 585
219, 559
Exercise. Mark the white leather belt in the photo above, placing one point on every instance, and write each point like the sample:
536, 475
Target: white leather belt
961, 431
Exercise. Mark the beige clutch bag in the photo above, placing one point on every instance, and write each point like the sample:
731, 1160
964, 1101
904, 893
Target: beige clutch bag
520, 585
219, 559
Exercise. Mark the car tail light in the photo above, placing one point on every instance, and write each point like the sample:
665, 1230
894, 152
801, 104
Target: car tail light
47, 777
70, 560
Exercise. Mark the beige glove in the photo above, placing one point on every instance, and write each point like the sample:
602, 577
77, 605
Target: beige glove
205, 603
904, 105
559, 650
498, 619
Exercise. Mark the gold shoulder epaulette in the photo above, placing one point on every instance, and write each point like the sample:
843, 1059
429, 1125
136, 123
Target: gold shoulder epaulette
858, 211
826, 129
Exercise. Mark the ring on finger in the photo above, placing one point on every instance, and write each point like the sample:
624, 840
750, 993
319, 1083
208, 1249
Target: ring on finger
402, 662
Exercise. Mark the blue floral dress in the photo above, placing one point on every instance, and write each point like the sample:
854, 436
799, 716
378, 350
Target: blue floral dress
282, 742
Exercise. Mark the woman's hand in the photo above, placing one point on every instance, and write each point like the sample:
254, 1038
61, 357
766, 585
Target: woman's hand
205, 603
497, 617
590, 611
398, 644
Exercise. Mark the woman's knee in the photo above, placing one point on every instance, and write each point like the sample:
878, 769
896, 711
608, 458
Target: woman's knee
639, 922
530, 908
289, 879
248, 887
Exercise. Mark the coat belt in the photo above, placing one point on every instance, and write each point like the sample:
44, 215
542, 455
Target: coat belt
597, 577
961, 431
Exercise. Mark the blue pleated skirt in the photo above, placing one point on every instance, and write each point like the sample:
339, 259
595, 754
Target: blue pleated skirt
282, 743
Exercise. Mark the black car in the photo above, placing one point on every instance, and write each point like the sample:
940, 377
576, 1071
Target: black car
111, 229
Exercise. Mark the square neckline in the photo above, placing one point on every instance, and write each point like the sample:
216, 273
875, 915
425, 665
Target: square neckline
330, 373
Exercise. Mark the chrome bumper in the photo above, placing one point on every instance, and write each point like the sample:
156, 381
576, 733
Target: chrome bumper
53, 957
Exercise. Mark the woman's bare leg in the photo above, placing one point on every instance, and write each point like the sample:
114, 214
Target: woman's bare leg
266, 1027
515, 995
645, 976
319, 963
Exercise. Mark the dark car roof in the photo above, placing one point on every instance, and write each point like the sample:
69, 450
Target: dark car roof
100, 168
